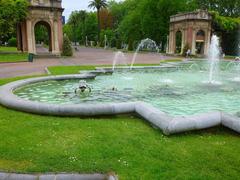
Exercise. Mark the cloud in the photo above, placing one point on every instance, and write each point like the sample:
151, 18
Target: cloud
71, 5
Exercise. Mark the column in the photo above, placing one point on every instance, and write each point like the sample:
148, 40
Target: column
19, 37
194, 42
30, 37
170, 44
56, 49
207, 41
24, 36
184, 32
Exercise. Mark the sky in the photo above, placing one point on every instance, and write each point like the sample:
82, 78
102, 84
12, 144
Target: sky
71, 5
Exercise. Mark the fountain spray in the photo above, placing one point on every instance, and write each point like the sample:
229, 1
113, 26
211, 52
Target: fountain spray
213, 58
145, 42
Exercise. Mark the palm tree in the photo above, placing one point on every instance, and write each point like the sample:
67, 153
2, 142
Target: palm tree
98, 4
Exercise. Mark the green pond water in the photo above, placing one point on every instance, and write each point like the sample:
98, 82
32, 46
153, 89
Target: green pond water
183, 90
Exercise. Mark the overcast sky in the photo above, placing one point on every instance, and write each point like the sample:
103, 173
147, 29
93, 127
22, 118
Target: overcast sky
71, 5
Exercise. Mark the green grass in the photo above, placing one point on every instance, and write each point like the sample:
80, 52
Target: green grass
230, 57
8, 49
8, 80
60, 70
123, 144
171, 60
13, 57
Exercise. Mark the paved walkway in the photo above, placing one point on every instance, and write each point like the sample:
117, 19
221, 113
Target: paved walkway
13, 176
85, 56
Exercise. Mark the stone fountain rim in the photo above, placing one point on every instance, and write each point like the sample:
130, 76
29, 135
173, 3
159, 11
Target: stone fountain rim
167, 123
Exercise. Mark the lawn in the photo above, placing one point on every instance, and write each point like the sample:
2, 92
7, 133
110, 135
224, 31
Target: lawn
12, 57
60, 70
11, 54
123, 144
8, 49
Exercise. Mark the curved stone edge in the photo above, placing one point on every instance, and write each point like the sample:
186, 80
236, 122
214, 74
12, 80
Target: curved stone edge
168, 124
61, 176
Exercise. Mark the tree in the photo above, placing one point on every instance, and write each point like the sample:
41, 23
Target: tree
149, 18
106, 19
41, 34
76, 19
67, 48
12, 12
98, 4
223, 7
84, 24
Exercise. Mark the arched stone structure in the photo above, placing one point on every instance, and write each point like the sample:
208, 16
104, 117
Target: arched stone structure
190, 24
49, 32
48, 13
178, 41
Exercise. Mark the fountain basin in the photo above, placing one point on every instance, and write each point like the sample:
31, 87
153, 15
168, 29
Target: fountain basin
168, 119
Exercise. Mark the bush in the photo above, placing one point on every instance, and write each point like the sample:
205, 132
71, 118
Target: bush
67, 47
130, 45
119, 44
12, 42
113, 42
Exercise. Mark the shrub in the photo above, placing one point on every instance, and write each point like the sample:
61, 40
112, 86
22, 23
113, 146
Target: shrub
67, 47
130, 45
113, 42
119, 44
12, 42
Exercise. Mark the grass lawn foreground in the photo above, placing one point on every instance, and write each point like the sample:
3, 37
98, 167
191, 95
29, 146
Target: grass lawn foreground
10, 54
123, 144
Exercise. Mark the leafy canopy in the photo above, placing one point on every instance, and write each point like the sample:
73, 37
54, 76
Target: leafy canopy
12, 12
98, 4
229, 8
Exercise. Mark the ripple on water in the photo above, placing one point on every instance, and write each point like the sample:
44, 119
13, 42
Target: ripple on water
173, 91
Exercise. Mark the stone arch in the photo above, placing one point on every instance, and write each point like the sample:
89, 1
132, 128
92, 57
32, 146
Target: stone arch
200, 41
48, 27
47, 13
178, 41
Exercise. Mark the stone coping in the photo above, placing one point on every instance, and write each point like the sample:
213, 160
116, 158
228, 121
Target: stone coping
61, 176
167, 123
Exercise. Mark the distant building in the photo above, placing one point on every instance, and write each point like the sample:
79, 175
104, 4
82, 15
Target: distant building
191, 29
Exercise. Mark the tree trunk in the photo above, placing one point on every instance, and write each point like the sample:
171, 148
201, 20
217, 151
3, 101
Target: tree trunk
99, 27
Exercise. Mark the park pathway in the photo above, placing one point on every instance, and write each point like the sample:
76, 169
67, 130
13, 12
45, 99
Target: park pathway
63, 176
84, 56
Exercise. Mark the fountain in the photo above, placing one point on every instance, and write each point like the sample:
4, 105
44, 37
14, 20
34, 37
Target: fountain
119, 58
214, 59
166, 97
149, 44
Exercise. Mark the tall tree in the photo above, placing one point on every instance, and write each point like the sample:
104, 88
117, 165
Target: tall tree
98, 4
80, 25
150, 18
223, 7
11, 12
74, 20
